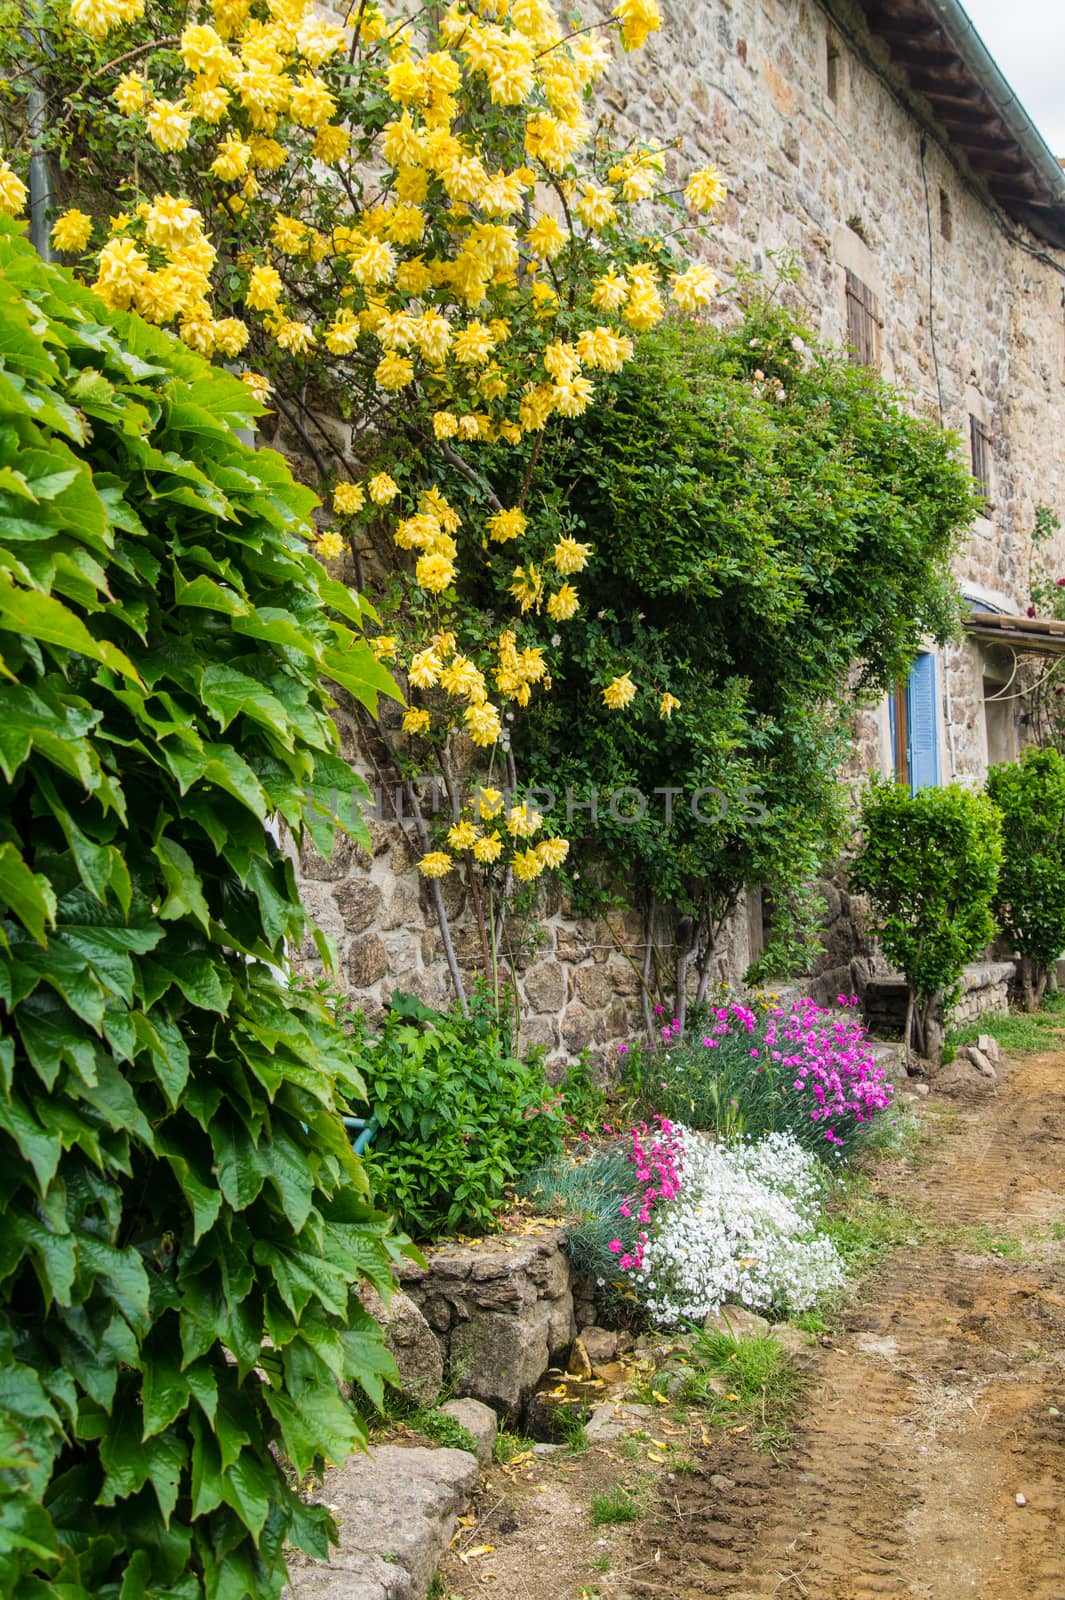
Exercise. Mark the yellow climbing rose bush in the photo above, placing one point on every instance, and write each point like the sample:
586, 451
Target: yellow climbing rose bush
416, 222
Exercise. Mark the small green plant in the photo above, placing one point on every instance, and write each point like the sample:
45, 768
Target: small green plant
930, 864
982, 1239
614, 1506
864, 1226
570, 1421
508, 1446
1030, 901
460, 1116
584, 1102
441, 1429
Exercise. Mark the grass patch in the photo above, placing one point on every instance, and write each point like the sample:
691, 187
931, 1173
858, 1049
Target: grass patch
508, 1446
982, 1240
440, 1428
864, 1227
570, 1421
614, 1506
744, 1383
1020, 1033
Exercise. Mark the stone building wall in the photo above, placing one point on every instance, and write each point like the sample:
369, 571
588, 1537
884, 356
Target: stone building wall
971, 325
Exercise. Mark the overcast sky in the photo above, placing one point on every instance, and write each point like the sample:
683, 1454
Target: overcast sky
1027, 39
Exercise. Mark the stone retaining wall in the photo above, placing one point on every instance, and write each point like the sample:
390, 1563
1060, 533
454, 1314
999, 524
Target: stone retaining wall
501, 1312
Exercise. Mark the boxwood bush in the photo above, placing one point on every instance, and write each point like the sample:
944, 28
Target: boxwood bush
1030, 903
185, 1226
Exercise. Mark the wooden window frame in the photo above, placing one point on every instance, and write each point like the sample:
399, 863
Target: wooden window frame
981, 455
863, 322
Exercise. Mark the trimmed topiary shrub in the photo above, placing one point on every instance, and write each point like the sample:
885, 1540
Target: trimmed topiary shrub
1030, 903
930, 865
185, 1225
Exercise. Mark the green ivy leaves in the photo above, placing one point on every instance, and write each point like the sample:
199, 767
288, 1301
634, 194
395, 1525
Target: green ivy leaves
185, 1226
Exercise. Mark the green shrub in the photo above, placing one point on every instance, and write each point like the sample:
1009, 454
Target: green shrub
770, 526
185, 1226
460, 1115
1030, 902
930, 865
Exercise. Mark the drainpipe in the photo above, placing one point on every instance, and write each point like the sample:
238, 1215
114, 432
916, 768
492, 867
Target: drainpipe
42, 194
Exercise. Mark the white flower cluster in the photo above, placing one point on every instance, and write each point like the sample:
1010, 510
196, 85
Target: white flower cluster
743, 1228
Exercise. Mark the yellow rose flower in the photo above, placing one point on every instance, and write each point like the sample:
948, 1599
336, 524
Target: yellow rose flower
552, 852
13, 192
463, 836
381, 489
523, 823
705, 189
71, 232
570, 556
435, 573
667, 705
416, 720
506, 525
564, 604
425, 669
348, 498
437, 864
487, 849
329, 546
482, 723
619, 693
527, 865
489, 803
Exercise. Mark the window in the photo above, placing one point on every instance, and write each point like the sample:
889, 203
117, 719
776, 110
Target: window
980, 449
863, 323
833, 67
913, 715
946, 216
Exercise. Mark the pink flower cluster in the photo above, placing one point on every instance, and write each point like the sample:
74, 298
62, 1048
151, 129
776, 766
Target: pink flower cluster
724, 1016
830, 1057
655, 1153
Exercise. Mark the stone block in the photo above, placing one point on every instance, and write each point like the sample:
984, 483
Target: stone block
594, 986
581, 1029
359, 903
396, 1510
737, 1322
417, 1351
480, 1423
545, 986
367, 961
600, 1344
499, 1358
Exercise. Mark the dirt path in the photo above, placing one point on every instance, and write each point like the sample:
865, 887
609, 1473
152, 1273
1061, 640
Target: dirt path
925, 1420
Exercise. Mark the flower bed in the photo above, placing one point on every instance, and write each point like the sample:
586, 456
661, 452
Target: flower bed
805, 1070
718, 1194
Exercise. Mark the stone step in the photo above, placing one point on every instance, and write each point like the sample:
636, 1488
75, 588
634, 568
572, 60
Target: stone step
396, 1509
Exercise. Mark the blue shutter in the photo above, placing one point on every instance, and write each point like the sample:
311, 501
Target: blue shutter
924, 724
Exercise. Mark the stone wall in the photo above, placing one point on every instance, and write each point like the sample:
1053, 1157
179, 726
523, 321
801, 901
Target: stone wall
841, 183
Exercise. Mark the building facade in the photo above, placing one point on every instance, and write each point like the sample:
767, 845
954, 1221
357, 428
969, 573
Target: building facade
876, 145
